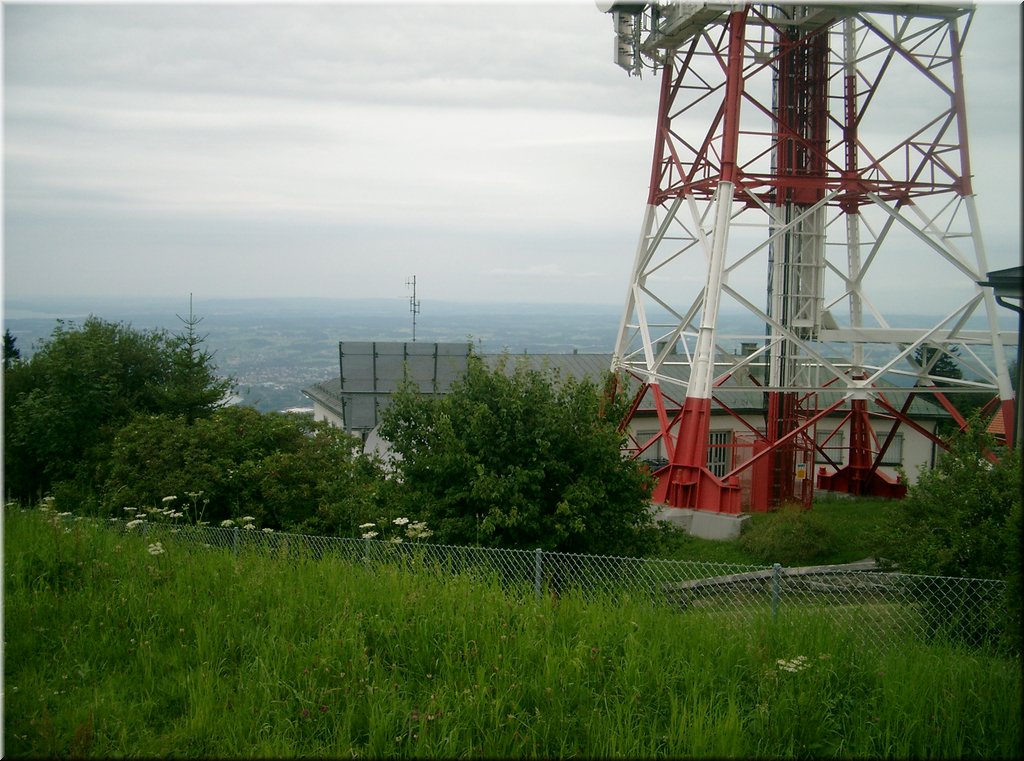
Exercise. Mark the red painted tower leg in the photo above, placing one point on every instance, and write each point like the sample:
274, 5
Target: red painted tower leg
687, 481
860, 476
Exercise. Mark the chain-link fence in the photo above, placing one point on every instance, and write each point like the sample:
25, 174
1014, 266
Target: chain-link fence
884, 608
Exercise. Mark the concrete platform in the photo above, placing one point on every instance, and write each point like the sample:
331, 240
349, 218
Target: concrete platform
701, 523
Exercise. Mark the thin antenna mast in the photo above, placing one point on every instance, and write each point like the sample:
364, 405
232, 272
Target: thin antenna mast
414, 305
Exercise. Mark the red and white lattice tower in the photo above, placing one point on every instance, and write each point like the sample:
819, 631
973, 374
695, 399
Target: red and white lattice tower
810, 161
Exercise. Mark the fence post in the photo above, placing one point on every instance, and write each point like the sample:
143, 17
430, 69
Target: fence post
537, 571
776, 578
234, 541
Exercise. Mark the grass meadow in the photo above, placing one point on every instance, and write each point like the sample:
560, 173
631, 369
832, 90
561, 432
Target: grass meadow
114, 649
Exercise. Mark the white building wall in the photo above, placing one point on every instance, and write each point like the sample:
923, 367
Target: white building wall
321, 412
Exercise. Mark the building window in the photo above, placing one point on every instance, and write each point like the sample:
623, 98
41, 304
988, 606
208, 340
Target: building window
719, 452
831, 444
894, 454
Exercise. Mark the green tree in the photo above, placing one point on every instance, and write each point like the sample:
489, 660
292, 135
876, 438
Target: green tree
192, 388
11, 352
65, 404
962, 518
945, 364
954, 520
72, 395
517, 457
287, 471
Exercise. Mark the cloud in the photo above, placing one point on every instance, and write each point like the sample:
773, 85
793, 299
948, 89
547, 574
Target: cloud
543, 271
318, 149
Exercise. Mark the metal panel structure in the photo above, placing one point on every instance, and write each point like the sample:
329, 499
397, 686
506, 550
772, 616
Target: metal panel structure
806, 157
372, 370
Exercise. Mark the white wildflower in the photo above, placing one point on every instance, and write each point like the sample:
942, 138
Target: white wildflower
400, 521
227, 523
268, 531
395, 540
367, 525
248, 519
156, 549
249, 526
171, 498
369, 535
793, 666
130, 509
134, 523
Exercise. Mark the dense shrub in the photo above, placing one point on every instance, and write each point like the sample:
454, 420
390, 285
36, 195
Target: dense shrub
64, 405
287, 471
517, 457
963, 519
790, 537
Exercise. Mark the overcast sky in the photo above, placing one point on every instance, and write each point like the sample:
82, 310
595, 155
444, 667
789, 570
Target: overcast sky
250, 150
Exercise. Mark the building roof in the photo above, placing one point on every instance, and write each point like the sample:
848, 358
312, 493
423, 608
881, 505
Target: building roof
1006, 282
373, 370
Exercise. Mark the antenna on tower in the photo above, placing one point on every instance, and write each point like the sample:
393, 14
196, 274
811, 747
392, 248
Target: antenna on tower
414, 305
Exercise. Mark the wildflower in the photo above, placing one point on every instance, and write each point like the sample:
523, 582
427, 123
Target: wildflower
268, 531
156, 549
227, 523
177, 514
130, 509
169, 499
367, 525
418, 530
797, 664
400, 521
64, 514
369, 535
249, 526
134, 523
395, 540
248, 519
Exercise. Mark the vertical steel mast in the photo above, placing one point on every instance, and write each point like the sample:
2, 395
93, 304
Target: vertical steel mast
810, 170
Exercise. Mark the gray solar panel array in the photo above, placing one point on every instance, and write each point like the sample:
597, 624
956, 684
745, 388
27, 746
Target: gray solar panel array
372, 370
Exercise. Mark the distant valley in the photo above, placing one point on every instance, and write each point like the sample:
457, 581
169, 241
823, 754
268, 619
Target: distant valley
276, 347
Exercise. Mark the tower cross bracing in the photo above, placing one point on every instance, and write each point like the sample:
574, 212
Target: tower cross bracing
810, 170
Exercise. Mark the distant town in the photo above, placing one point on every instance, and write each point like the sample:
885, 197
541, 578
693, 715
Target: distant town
276, 347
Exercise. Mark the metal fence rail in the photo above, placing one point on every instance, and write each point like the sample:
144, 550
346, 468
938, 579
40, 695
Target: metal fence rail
884, 608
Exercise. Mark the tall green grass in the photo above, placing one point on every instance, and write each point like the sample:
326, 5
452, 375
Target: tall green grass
112, 651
